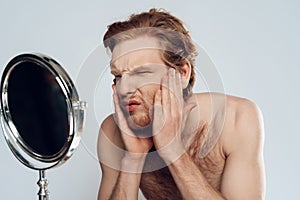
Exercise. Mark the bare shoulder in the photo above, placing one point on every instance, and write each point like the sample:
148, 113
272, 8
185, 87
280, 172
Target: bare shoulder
109, 154
109, 140
243, 127
236, 121
110, 130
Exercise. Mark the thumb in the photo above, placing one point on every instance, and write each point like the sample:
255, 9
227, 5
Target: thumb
187, 109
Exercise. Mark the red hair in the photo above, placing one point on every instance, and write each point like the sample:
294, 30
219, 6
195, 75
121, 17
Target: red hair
178, 47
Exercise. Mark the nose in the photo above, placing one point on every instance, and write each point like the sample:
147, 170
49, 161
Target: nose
125, 85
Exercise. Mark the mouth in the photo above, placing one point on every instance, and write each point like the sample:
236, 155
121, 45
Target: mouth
131, 105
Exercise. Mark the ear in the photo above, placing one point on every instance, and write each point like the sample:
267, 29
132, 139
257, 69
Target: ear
185, 71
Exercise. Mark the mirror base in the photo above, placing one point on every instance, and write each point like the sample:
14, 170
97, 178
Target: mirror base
43, 184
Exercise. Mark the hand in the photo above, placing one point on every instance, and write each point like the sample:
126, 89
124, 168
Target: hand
134, 145
170, 114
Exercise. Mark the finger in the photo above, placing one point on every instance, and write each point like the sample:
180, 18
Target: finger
157, 98
189, 107
117, 107
128, 137
165, 94
173, 91
116, 103
187, 110
171, 80
158, 110
119, 116
178, 83
157, 113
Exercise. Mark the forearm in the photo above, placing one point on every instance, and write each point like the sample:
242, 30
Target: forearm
129, 178
127, 186
191, 182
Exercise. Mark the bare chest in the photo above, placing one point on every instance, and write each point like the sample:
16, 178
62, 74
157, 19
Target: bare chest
159, 184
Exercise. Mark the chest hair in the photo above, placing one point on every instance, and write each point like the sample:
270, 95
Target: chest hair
159, 184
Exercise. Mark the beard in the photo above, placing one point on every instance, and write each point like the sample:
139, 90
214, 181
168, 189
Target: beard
140, 120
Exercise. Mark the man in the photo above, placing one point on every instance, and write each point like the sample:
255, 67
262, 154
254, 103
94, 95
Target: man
165, 140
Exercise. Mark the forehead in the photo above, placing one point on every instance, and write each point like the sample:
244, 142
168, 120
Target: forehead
136, 52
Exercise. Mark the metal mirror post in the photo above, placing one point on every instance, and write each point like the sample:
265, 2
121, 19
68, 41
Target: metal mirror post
42, 116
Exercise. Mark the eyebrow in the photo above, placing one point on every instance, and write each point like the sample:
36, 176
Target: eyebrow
142, 67
114, 70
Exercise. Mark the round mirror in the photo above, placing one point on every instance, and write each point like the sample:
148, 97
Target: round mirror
41, 113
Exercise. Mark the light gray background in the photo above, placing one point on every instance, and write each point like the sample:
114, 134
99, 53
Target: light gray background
254, 44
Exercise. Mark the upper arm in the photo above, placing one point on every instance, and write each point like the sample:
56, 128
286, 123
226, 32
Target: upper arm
243, 176
108, 181
110, 153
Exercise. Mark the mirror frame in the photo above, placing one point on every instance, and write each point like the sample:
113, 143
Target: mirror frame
75, 108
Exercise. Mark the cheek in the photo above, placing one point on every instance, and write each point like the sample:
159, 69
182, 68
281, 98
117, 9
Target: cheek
144, 83
148, 92
150, 81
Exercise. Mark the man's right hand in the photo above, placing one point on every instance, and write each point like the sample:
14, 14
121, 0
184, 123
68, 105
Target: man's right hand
136, 147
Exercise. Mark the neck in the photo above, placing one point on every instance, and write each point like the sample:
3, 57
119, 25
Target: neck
143, 132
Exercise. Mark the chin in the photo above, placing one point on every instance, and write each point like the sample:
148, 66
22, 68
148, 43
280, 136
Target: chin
138, 121
141, 125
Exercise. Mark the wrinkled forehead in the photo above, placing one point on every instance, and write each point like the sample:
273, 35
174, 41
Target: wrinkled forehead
133, 45
131, 55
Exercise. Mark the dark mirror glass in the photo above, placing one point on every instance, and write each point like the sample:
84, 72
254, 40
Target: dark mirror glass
38, 108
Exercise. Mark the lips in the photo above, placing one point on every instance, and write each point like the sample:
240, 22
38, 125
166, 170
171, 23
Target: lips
131, 105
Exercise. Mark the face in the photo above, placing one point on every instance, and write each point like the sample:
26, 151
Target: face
138, 73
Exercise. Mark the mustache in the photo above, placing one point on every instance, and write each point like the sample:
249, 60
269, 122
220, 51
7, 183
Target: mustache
146, 101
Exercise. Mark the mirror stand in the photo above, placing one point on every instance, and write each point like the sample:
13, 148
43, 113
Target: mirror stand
43, 184
41, 114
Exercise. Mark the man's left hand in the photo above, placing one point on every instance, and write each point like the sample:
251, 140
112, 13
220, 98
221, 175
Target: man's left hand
170, 115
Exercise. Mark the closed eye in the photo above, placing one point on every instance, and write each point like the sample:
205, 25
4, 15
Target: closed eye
142, 72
